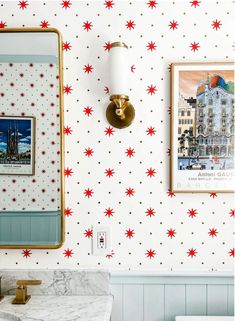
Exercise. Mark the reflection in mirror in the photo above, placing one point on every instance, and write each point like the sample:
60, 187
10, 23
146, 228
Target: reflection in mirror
31, 140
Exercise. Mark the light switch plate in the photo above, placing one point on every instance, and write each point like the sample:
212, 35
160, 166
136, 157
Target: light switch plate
101, 240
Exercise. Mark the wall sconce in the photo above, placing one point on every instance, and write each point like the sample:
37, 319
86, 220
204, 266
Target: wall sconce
120, 112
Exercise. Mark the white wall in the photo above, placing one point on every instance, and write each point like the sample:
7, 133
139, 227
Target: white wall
150, 69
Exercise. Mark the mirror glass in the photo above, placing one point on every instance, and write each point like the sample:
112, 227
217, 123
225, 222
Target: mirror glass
31, 139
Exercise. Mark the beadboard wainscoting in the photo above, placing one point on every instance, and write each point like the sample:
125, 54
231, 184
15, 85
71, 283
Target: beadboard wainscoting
160, 297
41, 227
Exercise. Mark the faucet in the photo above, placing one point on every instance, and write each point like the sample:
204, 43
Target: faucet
21, 291
1, 296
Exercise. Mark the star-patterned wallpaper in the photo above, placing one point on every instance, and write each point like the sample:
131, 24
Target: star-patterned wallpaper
120, 178
27, 89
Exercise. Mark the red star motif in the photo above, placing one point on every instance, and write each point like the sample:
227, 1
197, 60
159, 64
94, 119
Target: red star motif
44, 24
107, 46
232, 213
130, 192
109, 4
195, 3
130, 25
88, 192
192, 213
110, 255
150, 172
213, 194
109, 172
151, 90
194, 46
88, 152
129, 233
88, 69
68, 211
67, 130
133, 68
68, 172
170, 194
232, 252
192, 252
152, 4
88, 111
87, 25
151, 46
173, 25
151, 131
213, 232
68, 253
171, 233
216, 24
150, 212
150, 253
23, 4
109, 131
88, 233
26, 253
68, 89
109, 212
66, 46
130, 152
66, 4
106, 90
3, 25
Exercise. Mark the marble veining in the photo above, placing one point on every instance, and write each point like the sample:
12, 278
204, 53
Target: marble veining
5, 316
61, 308
59, 282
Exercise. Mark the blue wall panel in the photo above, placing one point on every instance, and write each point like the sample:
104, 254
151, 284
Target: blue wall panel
217, 299
30, 228
154, 302
196, 300
133, 302
161, 298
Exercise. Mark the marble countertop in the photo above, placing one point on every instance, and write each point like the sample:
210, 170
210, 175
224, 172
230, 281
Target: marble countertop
63, 308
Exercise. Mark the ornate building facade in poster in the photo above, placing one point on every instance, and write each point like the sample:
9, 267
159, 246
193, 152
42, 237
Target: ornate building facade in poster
202, 127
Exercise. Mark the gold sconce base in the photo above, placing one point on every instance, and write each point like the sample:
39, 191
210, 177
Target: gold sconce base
120, 112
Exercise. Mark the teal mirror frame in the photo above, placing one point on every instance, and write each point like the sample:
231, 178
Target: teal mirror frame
44, 230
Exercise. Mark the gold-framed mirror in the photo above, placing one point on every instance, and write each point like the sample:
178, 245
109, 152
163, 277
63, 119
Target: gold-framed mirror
31, 138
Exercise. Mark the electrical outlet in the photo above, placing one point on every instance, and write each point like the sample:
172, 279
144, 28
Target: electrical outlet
101, 241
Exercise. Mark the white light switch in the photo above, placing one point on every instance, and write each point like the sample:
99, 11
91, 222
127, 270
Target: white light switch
101, 241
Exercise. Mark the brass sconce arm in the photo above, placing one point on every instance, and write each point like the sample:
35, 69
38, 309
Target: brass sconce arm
120, 102
120, 112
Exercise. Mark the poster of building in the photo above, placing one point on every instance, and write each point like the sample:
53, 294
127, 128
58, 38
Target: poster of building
202, 127
17, 145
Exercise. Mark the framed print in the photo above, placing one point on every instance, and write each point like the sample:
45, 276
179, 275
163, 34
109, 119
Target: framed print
17, 145
202, 127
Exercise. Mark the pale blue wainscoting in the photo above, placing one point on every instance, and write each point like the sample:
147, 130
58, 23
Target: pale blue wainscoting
160, 297
32, 228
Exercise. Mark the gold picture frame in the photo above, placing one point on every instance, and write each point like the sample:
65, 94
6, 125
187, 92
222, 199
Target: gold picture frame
61, 107
195, 166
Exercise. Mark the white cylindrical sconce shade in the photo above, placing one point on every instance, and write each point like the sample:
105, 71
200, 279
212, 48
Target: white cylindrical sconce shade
118, 69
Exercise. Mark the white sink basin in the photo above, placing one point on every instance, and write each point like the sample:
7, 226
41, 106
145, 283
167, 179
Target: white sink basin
5, 316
